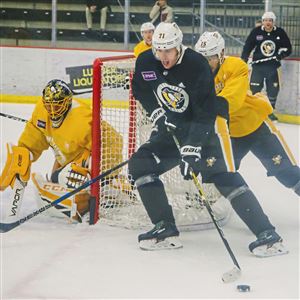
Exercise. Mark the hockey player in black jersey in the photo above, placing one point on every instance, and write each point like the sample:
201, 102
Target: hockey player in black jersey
168, 84
268, 41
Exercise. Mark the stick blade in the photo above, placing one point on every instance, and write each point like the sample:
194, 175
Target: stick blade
5, 227
232, 275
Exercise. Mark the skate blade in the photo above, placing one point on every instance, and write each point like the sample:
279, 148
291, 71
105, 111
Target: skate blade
167, 244
268, 251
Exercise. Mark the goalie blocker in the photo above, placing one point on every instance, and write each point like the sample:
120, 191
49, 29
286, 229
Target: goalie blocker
16, 174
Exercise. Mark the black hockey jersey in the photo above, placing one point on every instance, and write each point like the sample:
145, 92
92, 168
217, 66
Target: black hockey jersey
267, 44
185, 92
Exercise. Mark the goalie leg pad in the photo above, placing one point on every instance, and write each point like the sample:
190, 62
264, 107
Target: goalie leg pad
73, 208
18, 162
14, 203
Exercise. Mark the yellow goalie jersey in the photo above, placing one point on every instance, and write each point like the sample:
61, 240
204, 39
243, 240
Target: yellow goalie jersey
72, 138
140, 47
246, 111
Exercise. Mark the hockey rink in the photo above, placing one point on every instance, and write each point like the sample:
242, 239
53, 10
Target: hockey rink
48, 258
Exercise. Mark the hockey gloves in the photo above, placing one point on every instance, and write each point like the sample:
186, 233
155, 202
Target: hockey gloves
18, 163
160, 121
190, 161
279, 57
281, 54
73, 174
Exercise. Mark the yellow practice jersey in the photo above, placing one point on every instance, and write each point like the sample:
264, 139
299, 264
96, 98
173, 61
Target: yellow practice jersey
140, 47
246, 111
72, 138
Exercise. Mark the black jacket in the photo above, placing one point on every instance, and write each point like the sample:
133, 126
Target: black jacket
185, 92
267, 44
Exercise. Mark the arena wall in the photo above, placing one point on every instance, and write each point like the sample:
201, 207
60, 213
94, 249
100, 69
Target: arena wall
26, 70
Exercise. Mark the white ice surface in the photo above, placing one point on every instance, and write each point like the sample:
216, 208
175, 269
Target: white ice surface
47, 258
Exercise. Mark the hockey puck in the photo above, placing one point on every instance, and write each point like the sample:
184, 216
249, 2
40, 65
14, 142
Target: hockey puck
243, 288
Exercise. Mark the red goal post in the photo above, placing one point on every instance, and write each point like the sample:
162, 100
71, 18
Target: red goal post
98, 80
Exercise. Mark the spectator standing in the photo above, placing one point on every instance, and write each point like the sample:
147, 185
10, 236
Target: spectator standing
161, 12
147, 30
268, 41
93, 6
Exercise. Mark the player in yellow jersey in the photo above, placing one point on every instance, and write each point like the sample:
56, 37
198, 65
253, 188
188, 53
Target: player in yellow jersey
147, 30
249, 125
64, 124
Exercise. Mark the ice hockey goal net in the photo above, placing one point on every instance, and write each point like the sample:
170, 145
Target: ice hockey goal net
120, 126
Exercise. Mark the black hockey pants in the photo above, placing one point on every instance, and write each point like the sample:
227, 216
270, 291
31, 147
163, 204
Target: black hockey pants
268, 73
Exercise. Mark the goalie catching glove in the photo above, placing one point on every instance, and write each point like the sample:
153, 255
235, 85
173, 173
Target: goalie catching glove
190, 161
73, 174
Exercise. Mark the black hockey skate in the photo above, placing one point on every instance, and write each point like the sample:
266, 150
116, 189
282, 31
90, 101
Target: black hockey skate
268, 243
164, 235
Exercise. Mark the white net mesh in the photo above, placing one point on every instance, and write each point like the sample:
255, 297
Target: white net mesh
128, 128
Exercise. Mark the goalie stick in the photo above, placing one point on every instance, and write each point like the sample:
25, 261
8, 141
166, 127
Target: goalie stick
5, 227
235, 272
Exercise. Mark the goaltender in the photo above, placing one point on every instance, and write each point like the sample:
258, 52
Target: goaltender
64, 124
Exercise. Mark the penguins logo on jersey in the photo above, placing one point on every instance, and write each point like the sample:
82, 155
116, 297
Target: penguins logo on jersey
267, 48
173, 97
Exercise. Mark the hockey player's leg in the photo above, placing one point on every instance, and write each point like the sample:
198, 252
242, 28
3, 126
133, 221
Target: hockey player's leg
273, 86
290, 177
144, 169
245, 204
256, 79
276, 156
16, 173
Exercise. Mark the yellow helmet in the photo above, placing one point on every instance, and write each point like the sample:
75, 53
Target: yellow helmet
57, 99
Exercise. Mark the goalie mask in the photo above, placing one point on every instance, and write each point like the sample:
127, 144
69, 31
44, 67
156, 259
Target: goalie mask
211, 44
57, 99
167, 36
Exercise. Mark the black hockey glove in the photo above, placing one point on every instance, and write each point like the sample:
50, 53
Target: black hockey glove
190, 161
279, 57
281, 54
160, 121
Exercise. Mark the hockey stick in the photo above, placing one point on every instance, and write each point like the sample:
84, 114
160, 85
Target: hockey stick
262, 60
5, 227
13, 117
269, 58
80, 93
235, 272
